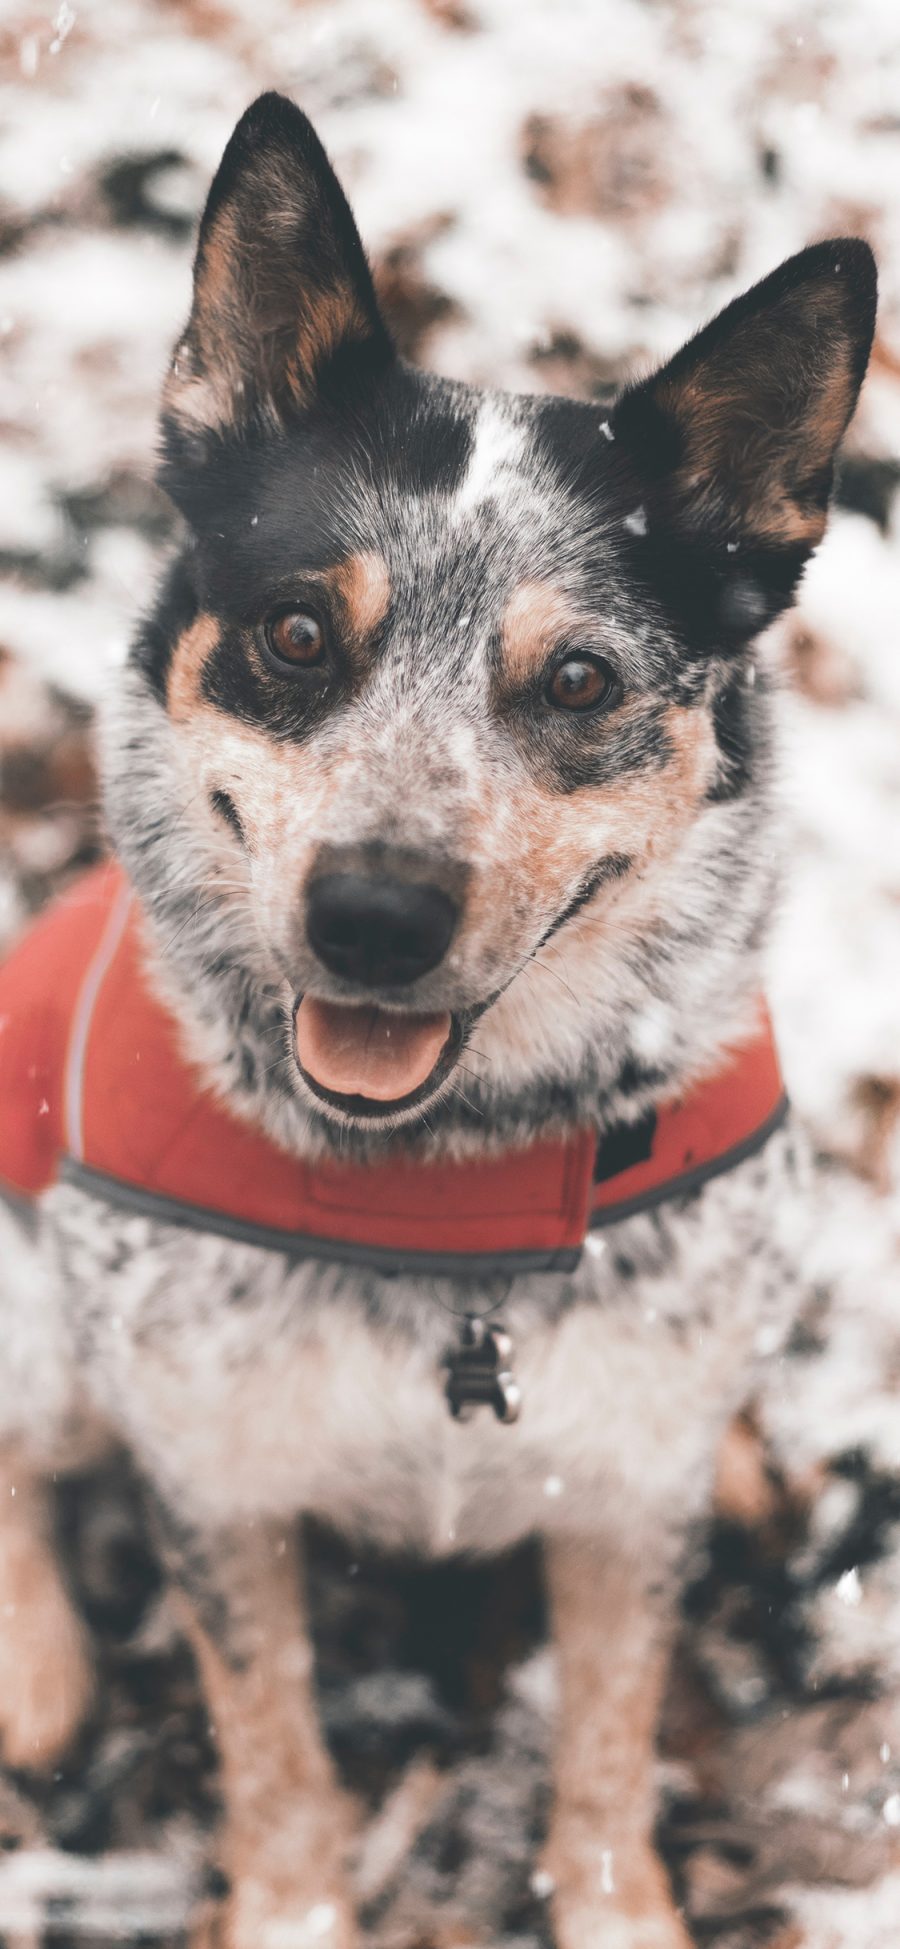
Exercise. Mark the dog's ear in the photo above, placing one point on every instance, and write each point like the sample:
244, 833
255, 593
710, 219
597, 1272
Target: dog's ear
283, 296
733, 443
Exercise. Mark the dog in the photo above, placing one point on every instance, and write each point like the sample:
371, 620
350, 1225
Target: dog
442, 780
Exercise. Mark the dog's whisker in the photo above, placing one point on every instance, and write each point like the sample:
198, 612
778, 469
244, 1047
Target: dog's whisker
184, 924
545, 968
454, 1091
181, 811
283, 1062
511, 974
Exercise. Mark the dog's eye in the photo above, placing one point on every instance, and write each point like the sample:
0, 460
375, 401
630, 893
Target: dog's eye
581, 683
296, 636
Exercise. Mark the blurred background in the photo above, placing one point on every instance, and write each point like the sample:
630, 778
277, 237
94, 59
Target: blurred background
554, 194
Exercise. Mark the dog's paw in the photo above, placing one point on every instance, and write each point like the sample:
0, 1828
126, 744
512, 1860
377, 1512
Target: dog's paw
603, 1898
250, 1919
603, 1924
608, 1928
46, 1672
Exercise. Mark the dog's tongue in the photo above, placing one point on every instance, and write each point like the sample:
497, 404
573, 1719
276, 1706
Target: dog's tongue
367, 1051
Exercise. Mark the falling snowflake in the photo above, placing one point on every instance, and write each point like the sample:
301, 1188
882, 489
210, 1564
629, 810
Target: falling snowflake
849, 1588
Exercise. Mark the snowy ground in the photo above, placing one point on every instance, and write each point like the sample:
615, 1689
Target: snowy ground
555, 192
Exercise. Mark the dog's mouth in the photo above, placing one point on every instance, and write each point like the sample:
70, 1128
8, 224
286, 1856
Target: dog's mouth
372, 1062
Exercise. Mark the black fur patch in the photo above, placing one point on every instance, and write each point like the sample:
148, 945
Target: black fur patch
276, 503
636, 1077
742, 736
224, 805
713, 605
289, 706
230, 682
176, 608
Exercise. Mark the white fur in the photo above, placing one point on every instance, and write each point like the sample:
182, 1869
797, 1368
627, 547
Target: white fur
344, 1417
498, 447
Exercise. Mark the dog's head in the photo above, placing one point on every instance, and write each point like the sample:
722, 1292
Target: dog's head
450, 676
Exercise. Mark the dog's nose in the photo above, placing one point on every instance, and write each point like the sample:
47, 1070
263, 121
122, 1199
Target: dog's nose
378, 931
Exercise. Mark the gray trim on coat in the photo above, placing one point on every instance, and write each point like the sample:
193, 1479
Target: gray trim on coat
388, 1260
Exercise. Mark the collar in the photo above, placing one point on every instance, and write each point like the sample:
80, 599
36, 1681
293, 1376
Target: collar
128, 1117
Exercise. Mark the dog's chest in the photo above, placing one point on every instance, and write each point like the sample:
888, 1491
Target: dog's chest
252, 1386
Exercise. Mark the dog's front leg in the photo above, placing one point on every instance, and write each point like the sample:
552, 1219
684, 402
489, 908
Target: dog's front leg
285, 1826
612, 1630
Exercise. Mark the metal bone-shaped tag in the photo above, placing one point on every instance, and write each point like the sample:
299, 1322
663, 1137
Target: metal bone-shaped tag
479, 1372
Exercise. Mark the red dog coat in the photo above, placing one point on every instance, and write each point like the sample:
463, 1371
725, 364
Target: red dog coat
94, 1087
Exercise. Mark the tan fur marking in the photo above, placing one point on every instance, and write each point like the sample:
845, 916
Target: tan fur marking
745, 1492
218, 328
255, 326
45, 1672
535, 848
363, 586
283, 794
693, 767
536, 616
330, 319
192, 652
548, 848
730, 447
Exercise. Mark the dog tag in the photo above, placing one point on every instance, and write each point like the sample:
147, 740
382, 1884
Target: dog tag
479, 1373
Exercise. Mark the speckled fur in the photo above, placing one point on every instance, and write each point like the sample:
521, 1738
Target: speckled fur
250, 1387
